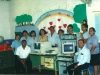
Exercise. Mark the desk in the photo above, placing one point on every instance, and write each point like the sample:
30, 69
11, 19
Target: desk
47, 60
63, 63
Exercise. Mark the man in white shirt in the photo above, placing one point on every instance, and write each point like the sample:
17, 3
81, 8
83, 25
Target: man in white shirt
53, 37
22, 53
83, 59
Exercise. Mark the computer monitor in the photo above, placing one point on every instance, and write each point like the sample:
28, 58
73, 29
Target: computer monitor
41, 46
68, 48
37, 46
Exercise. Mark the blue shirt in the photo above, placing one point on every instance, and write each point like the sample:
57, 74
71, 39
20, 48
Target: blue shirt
93, 41
31, 43
86, 35
15, 44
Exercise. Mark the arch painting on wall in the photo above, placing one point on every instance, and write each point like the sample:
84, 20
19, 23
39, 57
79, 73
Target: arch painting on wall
58, 18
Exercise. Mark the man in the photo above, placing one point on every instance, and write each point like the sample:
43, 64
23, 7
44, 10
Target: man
70, 29
23, 58
83, 59
53, 37
25, 37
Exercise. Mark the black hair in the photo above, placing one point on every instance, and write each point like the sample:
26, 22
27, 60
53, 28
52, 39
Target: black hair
24, 41
61, 30
43, 30
24, 32
92, 29
32, 32
17, 35
85, 21
51, 27
85, 25
81, 40
70, 25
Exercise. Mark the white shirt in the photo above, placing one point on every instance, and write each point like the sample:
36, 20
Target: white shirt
86, 35
83, 55
54, 38
23, 53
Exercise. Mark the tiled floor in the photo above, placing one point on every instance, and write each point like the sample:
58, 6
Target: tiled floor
34, 72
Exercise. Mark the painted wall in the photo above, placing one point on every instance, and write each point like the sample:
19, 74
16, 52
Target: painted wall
4, 19
36, 8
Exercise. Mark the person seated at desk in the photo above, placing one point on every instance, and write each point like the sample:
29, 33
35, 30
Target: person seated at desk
43, 37
23, 58
83, 59
53, 37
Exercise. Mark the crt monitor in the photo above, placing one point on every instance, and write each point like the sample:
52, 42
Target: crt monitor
37, 46
41, 46
68, 48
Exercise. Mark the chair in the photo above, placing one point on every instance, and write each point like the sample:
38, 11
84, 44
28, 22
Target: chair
82, 71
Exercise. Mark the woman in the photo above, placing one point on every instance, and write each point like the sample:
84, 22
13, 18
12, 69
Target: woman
43, 37
32, 40
60, 32
15, 44
93, 45
84, 35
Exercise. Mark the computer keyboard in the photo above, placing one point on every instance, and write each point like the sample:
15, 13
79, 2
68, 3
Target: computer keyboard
67, 54
65, 59
35, 52
38, 53
64, 54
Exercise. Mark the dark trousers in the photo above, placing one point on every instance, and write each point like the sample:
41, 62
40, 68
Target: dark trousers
20, 69
16, 62
77, 71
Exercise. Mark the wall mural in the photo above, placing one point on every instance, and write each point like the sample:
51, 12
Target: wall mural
24, 19
58, 18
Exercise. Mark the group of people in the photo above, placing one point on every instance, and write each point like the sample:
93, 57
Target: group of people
22, 46
88, 54
88, 43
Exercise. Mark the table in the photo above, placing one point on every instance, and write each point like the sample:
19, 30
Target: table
47, 60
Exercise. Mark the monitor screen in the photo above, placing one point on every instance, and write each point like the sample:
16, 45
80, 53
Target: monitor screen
68, 48
37, 46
